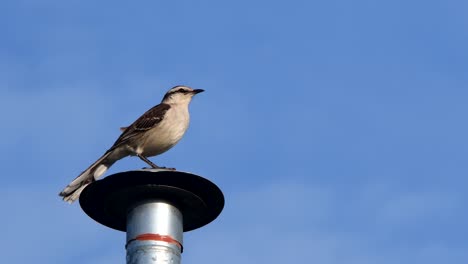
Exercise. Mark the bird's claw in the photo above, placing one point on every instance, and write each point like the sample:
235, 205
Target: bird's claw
165, 168
158, 168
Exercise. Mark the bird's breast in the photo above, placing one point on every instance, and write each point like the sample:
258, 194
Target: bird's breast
167, 133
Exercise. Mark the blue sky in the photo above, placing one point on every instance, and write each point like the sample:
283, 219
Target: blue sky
336, 129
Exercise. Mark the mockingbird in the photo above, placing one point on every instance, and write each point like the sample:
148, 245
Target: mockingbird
153, 133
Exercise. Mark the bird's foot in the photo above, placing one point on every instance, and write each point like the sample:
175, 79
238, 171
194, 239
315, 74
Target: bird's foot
165, 168
158, 168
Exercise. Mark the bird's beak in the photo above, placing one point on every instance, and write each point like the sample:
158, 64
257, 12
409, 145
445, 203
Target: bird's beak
197, 91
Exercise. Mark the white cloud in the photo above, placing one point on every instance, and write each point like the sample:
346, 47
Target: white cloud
287, 223
53, 231
411, 208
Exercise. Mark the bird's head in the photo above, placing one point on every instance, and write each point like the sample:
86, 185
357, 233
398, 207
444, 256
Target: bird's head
180, 94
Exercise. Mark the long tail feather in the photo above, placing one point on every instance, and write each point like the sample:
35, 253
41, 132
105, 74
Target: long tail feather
73, 190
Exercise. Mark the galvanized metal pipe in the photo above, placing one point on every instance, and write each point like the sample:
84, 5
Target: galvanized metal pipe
154, 233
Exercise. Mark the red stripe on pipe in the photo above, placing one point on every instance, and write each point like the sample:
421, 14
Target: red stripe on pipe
157, 237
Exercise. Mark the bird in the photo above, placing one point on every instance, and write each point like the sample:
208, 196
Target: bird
153, 133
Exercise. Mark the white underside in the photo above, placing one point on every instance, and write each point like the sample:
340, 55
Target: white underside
166, 134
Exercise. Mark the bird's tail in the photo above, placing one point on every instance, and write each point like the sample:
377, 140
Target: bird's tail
97, 169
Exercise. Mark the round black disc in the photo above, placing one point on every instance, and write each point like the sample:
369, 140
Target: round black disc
108, 200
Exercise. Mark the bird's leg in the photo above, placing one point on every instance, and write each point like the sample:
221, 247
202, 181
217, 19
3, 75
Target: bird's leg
143, 158
154, 166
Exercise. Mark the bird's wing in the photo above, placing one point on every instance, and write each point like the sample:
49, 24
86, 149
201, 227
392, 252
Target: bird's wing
150, 118
145, 122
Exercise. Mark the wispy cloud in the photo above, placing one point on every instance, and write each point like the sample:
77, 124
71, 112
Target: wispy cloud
288, 222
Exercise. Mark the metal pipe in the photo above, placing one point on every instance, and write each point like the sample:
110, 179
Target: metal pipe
154, 233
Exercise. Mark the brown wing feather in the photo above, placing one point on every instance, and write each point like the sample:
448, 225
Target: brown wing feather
145, 122
151, 117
